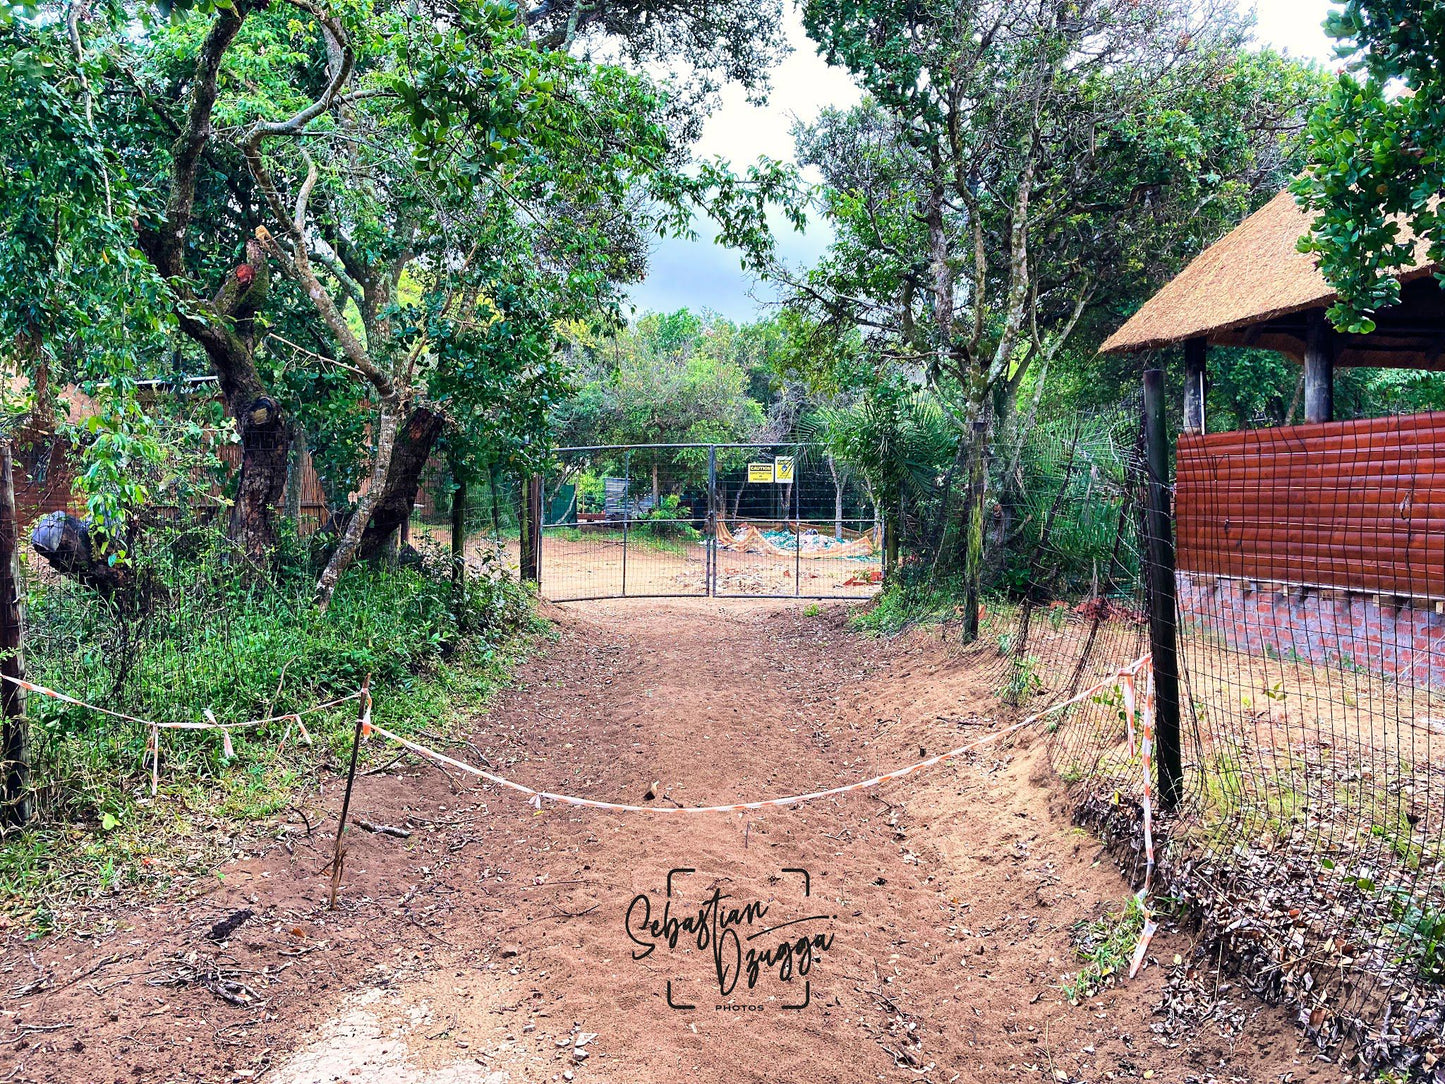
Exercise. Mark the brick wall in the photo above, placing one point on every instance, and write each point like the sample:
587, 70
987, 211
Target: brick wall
1400, 637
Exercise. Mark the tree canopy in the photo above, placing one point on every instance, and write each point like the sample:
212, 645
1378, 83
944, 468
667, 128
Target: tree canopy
1019, 173
1376, 166
367, 222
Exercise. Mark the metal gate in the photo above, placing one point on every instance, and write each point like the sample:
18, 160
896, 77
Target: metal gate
706, 520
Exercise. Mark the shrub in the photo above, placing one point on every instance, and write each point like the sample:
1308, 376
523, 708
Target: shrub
196, 630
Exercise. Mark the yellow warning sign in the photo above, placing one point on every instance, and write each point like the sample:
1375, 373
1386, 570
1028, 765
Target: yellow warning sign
783, 469
760, 472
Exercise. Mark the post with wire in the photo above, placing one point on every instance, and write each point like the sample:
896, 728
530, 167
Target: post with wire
1163, 614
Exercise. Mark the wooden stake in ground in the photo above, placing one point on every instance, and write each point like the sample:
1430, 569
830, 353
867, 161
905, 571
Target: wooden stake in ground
363, 717
16, 802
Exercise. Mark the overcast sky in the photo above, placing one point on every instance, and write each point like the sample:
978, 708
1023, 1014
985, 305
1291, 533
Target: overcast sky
704, 275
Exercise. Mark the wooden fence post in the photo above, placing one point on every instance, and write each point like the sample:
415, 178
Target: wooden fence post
1163, 615
16, 802
460, 497
530, 496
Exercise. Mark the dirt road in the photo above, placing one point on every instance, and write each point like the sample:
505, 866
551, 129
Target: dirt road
495, 943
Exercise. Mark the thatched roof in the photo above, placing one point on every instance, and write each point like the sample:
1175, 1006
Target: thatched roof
1237, 291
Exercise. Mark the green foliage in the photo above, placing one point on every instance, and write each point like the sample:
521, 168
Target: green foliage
909, 601
1062, 489
1420, 927
1105, 945
475, 181
1011, 180
79, 302
1376, 167
1023, 680
897, 439
669, 519
191, 635
678, 377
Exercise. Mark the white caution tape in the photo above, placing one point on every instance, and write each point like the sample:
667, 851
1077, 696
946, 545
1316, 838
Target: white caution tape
211, 724
537, 797
153, 741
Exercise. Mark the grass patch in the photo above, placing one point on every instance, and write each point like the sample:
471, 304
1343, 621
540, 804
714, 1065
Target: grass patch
1105, 946
642, 535
908, 603
195, 634
903, 605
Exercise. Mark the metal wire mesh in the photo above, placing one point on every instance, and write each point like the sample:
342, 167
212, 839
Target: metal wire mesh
756, 520
1307, 845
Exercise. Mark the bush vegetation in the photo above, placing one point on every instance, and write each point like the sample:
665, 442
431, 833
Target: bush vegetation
194, 632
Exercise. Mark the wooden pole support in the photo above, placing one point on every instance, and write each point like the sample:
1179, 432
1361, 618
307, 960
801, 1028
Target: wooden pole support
1319, 368
534, 507
530, 501
1163, 615
17, 804
1195, 381
363, 716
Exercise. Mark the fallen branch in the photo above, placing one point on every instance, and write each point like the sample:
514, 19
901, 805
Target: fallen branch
383, 829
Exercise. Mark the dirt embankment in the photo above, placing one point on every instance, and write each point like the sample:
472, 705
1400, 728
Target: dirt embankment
493, 942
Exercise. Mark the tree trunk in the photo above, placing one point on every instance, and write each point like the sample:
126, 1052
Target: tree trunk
972, 536
346, 549
16, 801
265, 451
414, 445
224, 328
892, 529
529, 496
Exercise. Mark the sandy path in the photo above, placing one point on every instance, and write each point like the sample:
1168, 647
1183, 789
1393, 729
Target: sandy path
482, 947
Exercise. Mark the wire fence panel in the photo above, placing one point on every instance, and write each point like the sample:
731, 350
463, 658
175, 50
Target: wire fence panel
626, 522
791, 521
700, 520
489, 510
1308, 844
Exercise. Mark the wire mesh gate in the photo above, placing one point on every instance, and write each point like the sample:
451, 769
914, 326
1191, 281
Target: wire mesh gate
706, 520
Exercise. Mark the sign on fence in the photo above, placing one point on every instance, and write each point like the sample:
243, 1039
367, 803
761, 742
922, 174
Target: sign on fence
709, 520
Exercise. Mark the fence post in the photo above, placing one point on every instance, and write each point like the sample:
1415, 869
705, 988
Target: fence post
459, 543
1163, 616
710, 573
16, 802
626, 511
1319, 368
534, 503
531, 528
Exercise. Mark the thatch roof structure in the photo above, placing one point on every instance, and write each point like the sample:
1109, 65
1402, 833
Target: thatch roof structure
1254, 288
